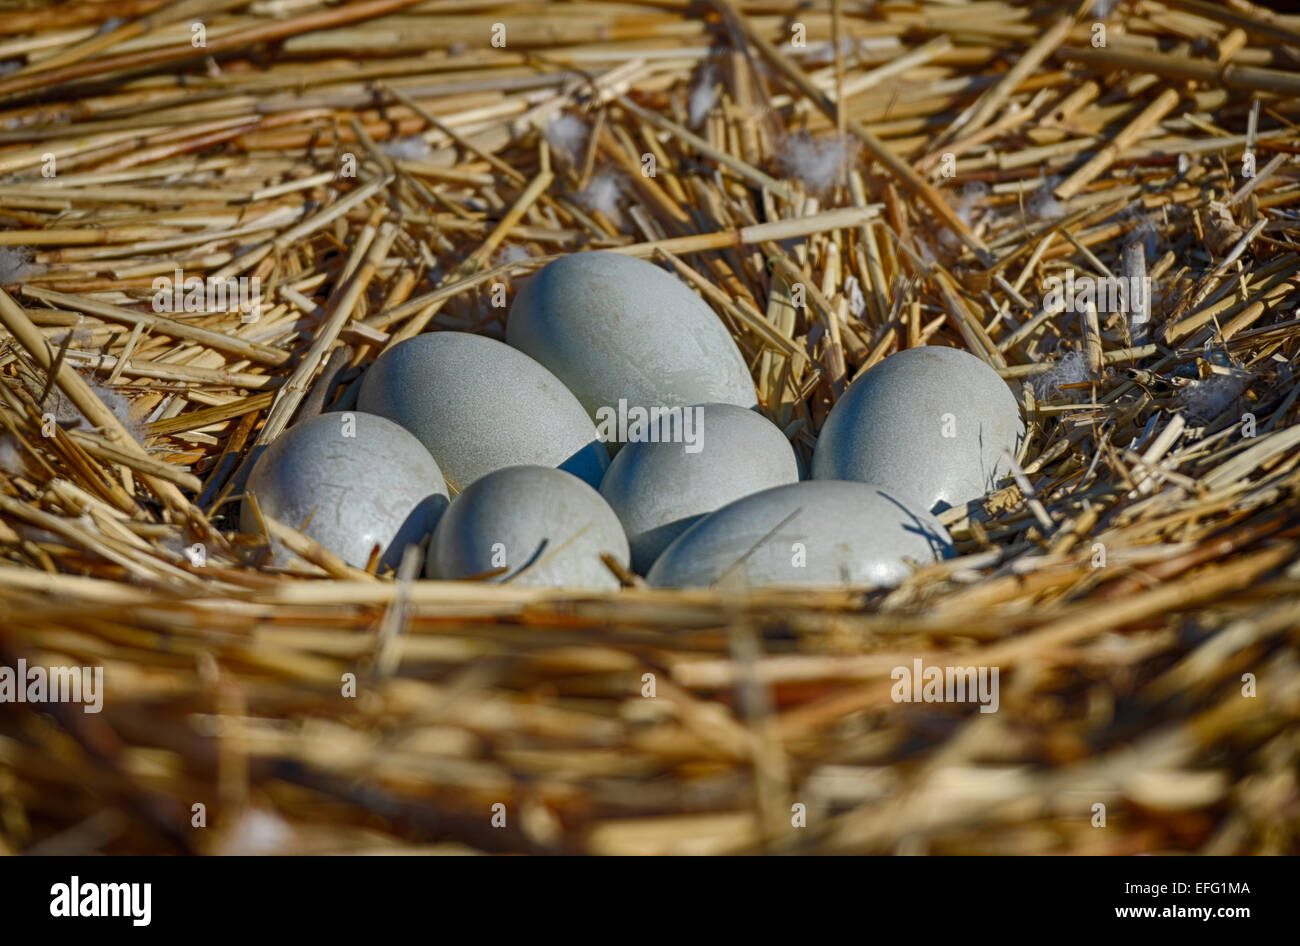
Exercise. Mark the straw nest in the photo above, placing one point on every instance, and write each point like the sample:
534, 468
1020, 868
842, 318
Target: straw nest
382, 168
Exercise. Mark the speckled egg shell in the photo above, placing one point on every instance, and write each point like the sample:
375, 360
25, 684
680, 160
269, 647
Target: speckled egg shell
659, 490
812, 533
544, 526
355, 479
613, 327
479, 406
930, 424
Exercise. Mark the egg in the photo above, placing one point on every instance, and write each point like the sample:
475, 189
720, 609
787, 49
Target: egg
543, 526
479, 405
350, 481
618, 329
827, 532
659, 489
930, 424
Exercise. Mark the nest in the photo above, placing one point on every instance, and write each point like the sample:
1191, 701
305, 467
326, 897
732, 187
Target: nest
839, 182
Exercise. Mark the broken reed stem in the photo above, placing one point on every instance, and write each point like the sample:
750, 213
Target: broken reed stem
365, 258
1171, 66
1144, 122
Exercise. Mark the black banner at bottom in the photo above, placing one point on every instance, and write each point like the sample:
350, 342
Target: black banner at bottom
329, 896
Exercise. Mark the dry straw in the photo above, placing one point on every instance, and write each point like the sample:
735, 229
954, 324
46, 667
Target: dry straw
377, 166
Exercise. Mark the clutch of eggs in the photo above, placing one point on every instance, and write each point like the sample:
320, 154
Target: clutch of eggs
493, 453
